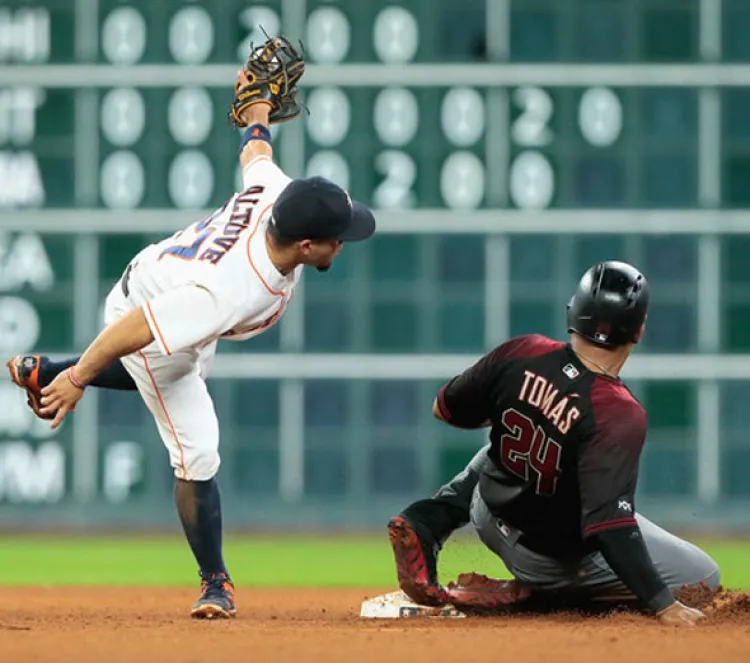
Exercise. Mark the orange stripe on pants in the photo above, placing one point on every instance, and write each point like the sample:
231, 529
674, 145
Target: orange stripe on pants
166, 414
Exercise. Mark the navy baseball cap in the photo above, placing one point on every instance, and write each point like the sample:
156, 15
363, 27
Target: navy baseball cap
316, 208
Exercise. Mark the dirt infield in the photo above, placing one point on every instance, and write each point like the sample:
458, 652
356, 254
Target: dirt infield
311, 626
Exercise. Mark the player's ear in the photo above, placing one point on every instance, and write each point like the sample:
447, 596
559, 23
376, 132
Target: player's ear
640, 333
305, 246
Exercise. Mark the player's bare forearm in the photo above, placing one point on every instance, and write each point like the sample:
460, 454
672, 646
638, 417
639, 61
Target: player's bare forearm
126, 336
256, 114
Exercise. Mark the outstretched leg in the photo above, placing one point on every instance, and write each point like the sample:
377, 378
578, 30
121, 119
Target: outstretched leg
113, 377
448, 508
34, 372
418, 533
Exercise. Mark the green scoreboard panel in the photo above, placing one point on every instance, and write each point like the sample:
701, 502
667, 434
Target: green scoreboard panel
140, 141
565, 146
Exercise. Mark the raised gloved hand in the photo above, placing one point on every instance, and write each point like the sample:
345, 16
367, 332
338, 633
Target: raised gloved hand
269, 76
288, 108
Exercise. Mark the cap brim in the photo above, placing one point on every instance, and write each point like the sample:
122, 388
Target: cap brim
362, 224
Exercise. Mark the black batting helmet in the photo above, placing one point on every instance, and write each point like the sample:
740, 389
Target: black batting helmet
610, 304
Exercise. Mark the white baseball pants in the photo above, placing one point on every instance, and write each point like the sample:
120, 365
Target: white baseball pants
174, 390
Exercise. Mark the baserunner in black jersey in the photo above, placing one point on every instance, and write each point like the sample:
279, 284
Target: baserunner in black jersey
553, 493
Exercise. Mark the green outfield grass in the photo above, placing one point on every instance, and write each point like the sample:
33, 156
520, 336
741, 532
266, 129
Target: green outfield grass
282, 561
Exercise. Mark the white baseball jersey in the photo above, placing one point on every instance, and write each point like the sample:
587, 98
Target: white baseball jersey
215, 279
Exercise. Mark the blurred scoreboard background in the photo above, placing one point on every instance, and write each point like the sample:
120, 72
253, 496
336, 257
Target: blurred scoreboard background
625, 135
506, 144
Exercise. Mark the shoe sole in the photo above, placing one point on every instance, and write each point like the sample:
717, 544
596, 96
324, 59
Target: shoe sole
14, 372
212, 611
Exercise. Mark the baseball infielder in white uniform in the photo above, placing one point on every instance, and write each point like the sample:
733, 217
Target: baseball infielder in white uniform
230, 276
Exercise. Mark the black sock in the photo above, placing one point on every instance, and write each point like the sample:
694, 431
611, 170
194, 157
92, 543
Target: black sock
49, 370
113, 377
199, 506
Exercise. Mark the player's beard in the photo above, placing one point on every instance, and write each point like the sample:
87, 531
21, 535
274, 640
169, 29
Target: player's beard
323, 268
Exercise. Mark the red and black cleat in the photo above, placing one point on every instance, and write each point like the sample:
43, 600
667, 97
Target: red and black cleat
417, 576
482, 593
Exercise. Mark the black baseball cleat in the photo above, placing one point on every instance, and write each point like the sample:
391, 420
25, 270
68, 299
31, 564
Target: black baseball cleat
416, 565
217, 598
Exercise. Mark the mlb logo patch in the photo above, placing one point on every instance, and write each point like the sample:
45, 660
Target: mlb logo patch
602, 333
571, 371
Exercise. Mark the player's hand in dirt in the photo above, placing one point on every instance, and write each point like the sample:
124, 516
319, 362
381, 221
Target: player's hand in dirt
60, 397
679, 614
